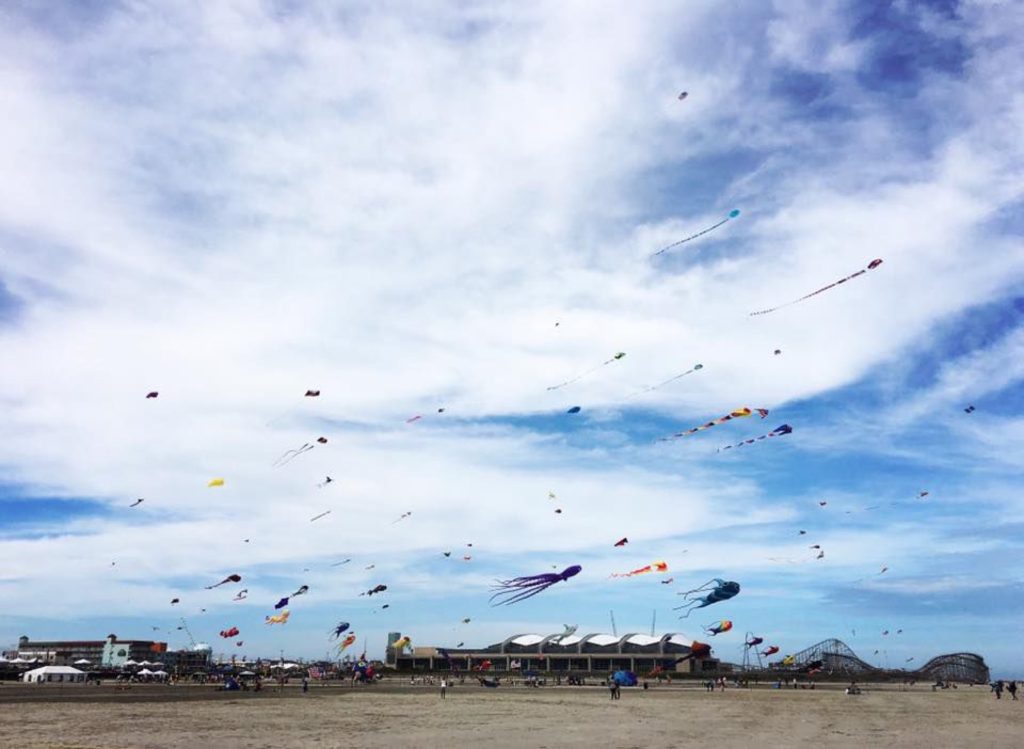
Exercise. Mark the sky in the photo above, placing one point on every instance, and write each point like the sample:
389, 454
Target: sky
419, 206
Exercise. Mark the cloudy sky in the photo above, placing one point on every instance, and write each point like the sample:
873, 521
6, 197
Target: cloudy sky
422, 206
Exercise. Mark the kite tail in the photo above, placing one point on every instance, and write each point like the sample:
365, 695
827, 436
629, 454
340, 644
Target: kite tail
577, 378
732, 215
519, 595
806, 296
871, 266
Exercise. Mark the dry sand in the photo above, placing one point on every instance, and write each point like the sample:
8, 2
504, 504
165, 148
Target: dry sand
397, 716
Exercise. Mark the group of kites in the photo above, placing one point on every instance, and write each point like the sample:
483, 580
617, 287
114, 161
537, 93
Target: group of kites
517, 589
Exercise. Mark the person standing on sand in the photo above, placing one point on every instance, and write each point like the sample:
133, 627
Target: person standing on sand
444, 688
998, 689
1012, 689
305, 684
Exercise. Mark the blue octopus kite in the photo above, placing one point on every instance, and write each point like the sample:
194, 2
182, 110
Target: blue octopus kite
715, 590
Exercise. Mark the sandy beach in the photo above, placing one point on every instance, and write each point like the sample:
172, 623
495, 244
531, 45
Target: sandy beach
402, 716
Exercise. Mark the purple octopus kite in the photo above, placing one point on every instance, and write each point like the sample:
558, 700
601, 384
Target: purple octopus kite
520, 588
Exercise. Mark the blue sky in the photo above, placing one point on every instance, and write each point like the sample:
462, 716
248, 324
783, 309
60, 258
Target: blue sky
395, 203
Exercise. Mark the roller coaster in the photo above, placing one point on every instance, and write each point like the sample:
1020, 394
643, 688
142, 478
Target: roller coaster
835, 658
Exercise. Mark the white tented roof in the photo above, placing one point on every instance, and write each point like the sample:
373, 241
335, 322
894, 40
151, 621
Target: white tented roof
603, 639
526, 639
642, 640
53, 670
680, 639
570, 640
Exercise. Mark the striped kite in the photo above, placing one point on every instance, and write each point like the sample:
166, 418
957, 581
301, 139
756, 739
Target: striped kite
739, 413
652, 567
718, 627
777, 432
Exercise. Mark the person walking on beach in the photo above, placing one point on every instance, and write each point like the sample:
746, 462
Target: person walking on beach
305, 684
998, 689
613, 689
1012, 689
444, 688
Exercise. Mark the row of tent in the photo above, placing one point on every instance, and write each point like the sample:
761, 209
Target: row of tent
80, 662
69, 674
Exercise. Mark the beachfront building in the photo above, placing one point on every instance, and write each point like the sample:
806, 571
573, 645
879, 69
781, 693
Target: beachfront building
108, 653
592, 653
198, 658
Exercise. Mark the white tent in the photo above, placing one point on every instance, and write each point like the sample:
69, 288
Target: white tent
161, 673
130, 663
144, 672
51, 674
83, 662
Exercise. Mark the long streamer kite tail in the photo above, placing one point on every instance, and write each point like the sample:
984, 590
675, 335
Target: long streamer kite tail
871, 266
694, 368
580, 376
732, 214
577, 378
290, 455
